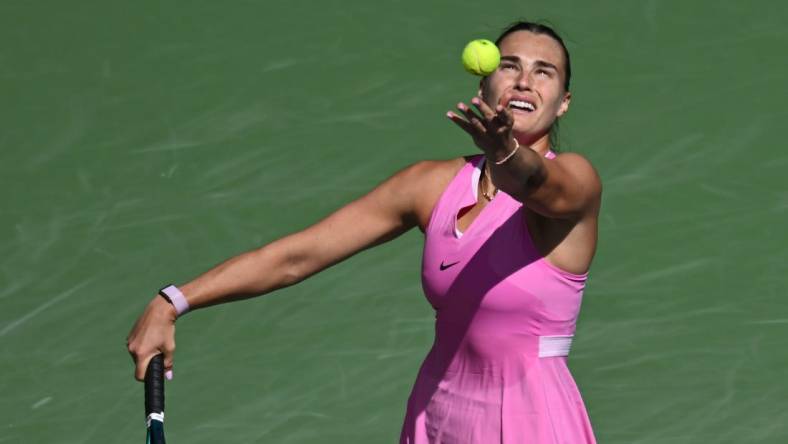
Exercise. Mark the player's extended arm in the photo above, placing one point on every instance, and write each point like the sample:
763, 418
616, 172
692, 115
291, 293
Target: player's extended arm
381, 215
566, 187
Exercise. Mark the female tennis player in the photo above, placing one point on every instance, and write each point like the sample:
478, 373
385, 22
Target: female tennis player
509, 237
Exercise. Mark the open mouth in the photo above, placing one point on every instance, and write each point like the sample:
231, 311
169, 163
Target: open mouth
521, 105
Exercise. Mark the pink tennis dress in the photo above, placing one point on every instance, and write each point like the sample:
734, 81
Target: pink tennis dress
504, 321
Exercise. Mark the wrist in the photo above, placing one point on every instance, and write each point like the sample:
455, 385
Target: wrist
505, 155
164, 308
175, 297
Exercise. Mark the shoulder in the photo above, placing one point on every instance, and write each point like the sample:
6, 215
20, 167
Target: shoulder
426, 175
434, 172
423, 183
577, 162
422, 179
581, 169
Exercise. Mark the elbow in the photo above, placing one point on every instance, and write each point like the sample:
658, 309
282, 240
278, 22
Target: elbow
534, 178
290, 276
292, 269
282, 268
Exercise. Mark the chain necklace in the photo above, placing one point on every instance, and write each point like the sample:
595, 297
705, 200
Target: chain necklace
488, 178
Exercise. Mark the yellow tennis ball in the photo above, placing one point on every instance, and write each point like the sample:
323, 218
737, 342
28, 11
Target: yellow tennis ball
481, 57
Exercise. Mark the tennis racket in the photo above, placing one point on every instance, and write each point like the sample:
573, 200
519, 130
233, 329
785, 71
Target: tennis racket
154, 400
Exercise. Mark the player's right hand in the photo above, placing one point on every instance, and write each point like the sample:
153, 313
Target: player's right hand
490, 128
153, 333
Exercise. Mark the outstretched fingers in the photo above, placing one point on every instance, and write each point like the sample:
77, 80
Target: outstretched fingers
498, 118
504, 116
484, 109
472, 118
469, 121
462, 123
482, 121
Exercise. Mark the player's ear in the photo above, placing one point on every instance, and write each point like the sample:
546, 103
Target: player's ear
564, 107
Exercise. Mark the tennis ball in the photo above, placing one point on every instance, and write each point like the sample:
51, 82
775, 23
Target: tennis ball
481, 57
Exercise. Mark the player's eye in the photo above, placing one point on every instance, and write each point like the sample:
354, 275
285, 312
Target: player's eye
508, 66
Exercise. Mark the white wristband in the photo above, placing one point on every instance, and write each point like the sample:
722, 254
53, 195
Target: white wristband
176, 298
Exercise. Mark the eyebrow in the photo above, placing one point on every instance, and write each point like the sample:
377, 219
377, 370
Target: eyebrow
540, 63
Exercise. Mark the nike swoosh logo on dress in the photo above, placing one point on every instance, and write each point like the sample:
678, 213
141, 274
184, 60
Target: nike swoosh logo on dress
443, 267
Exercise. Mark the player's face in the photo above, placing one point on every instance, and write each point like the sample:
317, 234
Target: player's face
530, 82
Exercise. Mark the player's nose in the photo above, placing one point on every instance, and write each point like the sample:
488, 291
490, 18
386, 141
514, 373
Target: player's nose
523, 81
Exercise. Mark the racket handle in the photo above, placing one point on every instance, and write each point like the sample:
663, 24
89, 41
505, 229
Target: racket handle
154, 386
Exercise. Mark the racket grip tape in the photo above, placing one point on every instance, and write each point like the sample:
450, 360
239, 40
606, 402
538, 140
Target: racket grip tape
154, 386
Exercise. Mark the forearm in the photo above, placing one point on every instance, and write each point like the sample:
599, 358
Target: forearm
249, 274
518, 175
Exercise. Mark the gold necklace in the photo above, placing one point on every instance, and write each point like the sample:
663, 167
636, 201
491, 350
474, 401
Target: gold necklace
487, 177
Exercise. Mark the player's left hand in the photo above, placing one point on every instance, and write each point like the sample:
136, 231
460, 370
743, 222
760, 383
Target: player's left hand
490, 129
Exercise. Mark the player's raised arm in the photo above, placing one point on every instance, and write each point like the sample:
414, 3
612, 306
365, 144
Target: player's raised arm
566, 187
515, 110
393, 207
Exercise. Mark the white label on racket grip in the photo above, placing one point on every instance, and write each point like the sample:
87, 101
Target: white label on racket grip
155, 416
